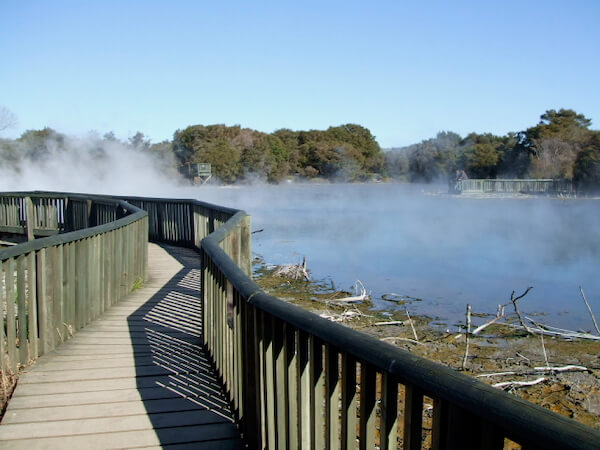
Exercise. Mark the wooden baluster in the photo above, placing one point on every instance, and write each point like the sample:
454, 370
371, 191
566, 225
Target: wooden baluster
389, 412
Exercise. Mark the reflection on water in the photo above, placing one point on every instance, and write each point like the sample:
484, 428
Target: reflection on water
447, 250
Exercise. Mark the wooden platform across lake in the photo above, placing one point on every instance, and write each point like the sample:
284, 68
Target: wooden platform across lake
136, 378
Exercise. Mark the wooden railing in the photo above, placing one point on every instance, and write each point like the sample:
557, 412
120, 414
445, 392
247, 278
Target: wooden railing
296, 380
53, 286
533, 186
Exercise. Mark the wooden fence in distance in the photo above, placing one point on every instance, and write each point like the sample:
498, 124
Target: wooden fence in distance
515, 186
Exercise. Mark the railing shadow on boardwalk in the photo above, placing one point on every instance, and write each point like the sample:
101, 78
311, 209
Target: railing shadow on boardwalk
175, 378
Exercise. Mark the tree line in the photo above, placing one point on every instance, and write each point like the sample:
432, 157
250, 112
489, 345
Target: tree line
561, 146
347, 152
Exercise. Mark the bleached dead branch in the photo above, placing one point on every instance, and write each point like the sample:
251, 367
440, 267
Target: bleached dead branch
590, 310
360, 294
343, 316
480, 328
412, 326
568, 368
516, 306
518, 384
537, 371
468, 334
536, 328
389, 322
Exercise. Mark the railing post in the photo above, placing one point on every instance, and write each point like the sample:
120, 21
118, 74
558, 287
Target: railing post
11, 331
30, 218
42, 292
246, 246
292, 386
389, 412
32, 303
413, 417
332, 398
281, 382
348, 401
22, 311
368, 379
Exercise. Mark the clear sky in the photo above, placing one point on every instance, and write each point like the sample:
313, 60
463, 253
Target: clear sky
405, 70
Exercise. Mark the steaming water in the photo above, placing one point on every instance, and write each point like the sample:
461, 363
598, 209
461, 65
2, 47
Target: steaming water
446, 250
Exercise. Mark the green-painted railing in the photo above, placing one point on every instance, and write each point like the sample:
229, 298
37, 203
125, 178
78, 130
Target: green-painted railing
53, 286
296, 380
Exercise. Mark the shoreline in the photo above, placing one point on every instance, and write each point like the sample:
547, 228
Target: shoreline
504, 356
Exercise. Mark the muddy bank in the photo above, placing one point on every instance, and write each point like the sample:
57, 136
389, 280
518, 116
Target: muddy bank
502, 355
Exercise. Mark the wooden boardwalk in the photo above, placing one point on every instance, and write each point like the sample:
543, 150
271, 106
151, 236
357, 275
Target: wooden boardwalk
136, 378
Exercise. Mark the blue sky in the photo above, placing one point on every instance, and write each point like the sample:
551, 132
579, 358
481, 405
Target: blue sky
405, 70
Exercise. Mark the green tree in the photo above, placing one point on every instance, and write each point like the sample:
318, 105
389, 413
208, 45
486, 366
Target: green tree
480, 155
139, 140
586, 171
224, 158
555, 142
110, 137
434, 158
39, 144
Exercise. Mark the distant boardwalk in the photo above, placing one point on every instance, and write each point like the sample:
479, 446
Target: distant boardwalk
136, 377
505, 186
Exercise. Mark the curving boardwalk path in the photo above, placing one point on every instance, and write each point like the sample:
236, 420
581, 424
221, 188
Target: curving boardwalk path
136, 378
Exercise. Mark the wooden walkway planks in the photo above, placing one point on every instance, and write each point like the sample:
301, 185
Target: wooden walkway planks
137, 377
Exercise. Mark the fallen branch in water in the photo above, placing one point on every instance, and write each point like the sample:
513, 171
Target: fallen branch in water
412, 326
480, 328
361, 294
515, 304
590, 310
468, 334
553, 331
546, 330
536, 328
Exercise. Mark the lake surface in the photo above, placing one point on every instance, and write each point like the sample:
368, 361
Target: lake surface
445, 250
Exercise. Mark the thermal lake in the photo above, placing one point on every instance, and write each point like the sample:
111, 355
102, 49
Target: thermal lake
446, 251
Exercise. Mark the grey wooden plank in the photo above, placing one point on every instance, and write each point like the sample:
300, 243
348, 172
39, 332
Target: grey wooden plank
90, 397
108, 410
209, 437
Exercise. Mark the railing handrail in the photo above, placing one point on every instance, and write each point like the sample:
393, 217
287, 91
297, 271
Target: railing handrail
213, 206
71, 236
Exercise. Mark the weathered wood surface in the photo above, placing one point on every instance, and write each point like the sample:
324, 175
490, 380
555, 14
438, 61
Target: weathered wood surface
136, 377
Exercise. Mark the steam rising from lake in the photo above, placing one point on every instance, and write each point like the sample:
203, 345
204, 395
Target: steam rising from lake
87, 165
446, 250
